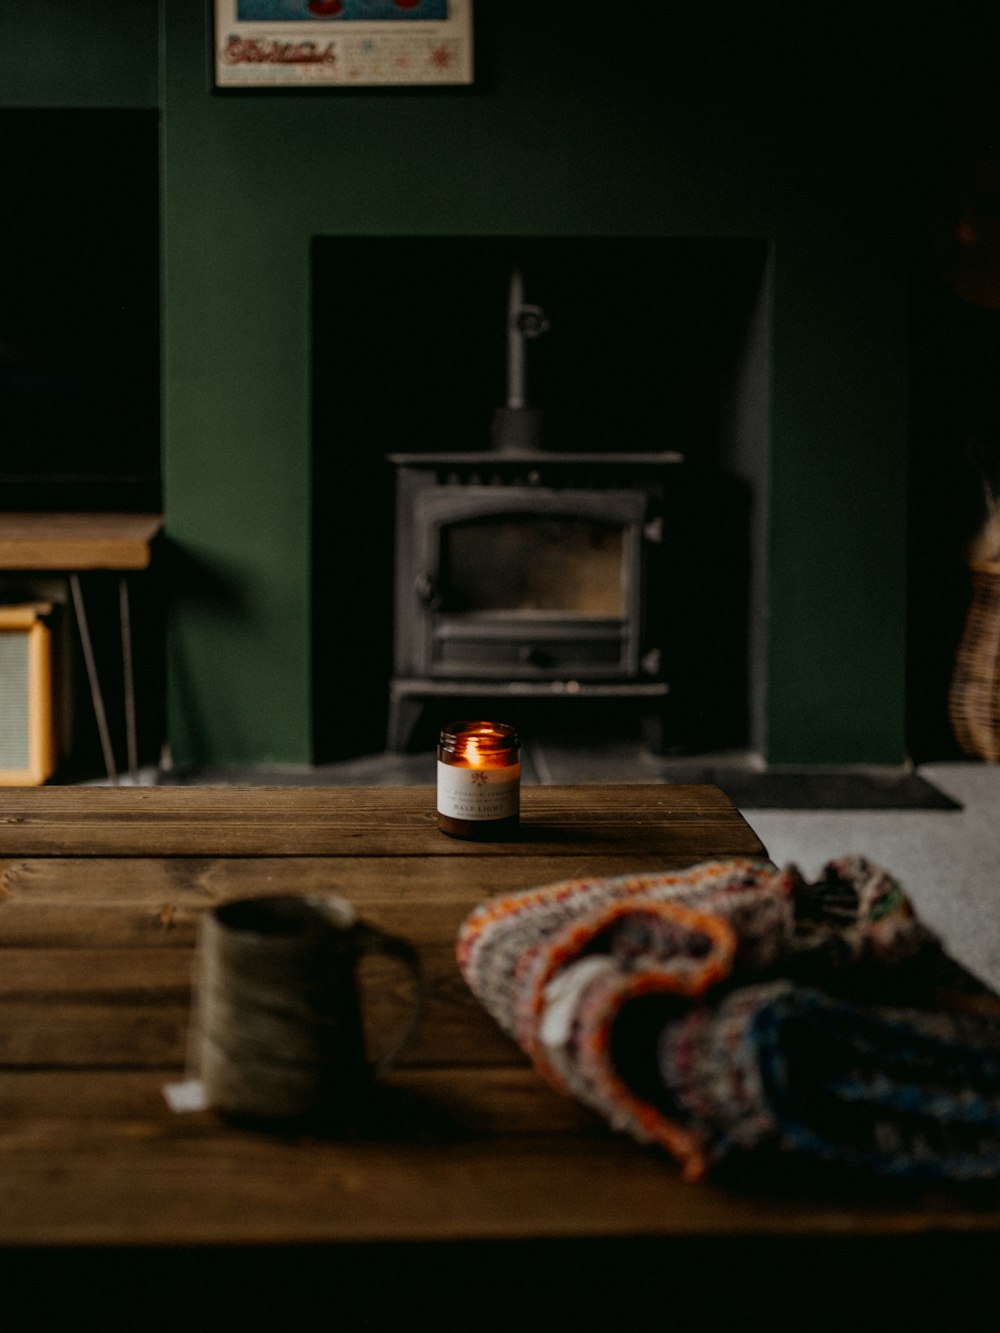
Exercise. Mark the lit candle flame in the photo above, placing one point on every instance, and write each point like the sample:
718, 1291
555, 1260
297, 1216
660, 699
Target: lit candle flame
472, 753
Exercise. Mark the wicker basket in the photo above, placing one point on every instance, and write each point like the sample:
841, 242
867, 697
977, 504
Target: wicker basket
974, 698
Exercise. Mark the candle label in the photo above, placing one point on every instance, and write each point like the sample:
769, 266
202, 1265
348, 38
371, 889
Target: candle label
478, 793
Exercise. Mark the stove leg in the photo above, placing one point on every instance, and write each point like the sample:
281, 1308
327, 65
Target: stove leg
654, 729
404, 713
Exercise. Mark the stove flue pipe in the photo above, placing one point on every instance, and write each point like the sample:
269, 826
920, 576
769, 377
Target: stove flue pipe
517, 426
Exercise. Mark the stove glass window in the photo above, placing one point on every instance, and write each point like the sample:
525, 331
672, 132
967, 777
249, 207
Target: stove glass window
531, 564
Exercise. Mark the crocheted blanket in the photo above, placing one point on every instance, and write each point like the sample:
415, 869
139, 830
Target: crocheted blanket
715, 1011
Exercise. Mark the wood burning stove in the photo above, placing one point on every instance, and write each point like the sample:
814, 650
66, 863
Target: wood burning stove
528, 574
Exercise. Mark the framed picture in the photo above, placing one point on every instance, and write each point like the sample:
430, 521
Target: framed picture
342, 43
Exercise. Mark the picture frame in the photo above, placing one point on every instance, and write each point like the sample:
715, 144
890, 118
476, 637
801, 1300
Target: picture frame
303, 44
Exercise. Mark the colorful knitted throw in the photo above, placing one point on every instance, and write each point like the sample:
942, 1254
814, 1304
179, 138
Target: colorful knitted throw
716, 1011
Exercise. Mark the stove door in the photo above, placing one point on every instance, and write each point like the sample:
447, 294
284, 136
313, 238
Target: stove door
530, 583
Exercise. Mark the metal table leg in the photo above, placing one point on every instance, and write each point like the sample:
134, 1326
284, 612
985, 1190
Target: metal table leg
131, 740
128, 675
95, 685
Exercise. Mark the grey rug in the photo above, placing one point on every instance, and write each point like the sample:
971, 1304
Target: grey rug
823, 790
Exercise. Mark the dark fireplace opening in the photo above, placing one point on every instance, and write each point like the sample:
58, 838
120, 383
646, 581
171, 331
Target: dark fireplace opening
605, 557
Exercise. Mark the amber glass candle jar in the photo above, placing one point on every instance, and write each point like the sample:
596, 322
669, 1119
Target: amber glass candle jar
478, 780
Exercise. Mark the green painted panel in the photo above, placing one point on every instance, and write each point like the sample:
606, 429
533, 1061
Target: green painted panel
66, 54
837, 505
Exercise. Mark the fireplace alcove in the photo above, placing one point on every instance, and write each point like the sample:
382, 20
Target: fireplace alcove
529, 575
656, 348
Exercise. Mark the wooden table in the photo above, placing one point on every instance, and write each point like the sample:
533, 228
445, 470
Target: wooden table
71, 544
478, 1198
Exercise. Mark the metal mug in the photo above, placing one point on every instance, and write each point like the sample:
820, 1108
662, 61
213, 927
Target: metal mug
279, 1032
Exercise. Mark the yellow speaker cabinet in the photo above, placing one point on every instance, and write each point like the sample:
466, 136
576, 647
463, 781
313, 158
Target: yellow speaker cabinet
27, 742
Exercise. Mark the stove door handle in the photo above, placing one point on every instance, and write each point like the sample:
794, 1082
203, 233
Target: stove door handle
427, 591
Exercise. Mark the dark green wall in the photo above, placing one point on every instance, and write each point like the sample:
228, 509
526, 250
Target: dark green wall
717, 121
809, 127
65, 54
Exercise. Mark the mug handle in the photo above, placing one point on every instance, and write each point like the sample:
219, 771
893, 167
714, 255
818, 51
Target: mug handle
372, 940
